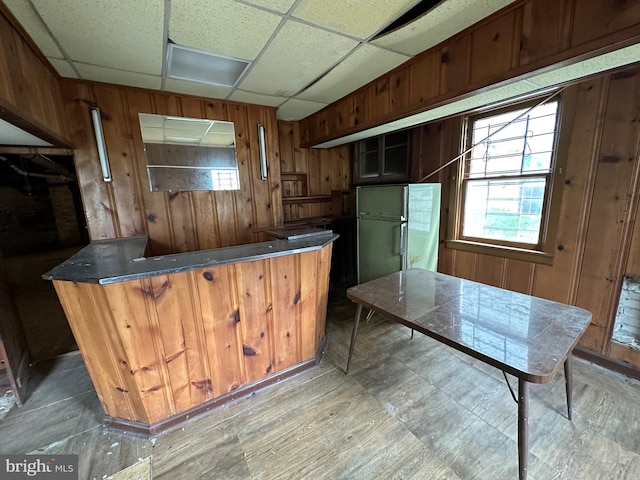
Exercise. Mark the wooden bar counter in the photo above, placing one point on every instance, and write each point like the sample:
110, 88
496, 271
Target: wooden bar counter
167, 338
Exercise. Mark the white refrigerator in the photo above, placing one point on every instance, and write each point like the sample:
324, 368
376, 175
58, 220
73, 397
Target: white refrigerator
398, 228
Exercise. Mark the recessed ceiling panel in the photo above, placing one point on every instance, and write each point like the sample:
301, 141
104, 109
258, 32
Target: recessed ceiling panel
120, 34
440, 23
195, 88
198, 66
282, 6
223, 27
366, 63
32, 23
119, 77
297, 55
360, 19
295, 109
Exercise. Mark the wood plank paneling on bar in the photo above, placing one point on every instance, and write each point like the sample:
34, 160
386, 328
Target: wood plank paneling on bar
256, 306
221, 319
132, 306
108, 364
286, 278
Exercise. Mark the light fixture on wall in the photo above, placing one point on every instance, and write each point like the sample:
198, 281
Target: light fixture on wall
263, 152
102, 149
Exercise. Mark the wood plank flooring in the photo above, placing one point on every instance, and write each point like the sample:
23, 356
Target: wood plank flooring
409, 408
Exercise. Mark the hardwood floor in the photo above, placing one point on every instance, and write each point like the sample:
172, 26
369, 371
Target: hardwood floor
409, 408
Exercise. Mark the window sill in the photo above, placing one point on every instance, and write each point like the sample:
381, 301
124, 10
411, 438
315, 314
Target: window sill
533, 256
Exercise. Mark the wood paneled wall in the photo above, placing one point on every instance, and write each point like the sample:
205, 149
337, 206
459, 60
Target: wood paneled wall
29, 88
179, 221
163, 345
324, 170
521, 38
598, 230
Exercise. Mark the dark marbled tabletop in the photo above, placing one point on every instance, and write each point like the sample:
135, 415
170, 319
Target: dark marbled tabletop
522, 335
121, 259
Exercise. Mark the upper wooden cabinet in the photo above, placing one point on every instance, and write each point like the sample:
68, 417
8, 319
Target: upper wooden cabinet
383, 159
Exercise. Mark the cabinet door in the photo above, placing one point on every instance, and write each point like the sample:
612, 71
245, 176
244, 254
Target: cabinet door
383, 159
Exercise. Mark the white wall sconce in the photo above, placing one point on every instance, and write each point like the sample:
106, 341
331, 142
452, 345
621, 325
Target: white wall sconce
263, 152
102, 149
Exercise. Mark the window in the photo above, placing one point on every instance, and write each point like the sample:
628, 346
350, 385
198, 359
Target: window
383, 159
505, 186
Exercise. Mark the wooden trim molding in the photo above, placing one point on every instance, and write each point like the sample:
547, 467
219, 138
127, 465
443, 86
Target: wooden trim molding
174, 422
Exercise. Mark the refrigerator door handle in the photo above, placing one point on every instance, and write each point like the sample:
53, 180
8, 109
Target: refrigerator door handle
403, 244
405, 202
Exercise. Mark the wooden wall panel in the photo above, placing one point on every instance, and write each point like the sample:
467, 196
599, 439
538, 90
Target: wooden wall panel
324, 170
174, 221
493, 47
514, 42
30, 94
597, 234
597, 18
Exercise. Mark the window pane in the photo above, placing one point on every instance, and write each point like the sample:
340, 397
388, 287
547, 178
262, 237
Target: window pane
508, 210
395, 161
501, 148
395, 139
369, 164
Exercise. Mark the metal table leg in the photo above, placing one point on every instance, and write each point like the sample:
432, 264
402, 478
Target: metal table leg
354, 333
523, 427
568, 383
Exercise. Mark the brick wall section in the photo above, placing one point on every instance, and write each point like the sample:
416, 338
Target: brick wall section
627, 326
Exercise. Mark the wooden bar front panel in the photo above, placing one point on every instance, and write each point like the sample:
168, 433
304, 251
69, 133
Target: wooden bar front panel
159, 346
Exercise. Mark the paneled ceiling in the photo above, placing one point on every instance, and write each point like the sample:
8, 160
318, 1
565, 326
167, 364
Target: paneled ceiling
303, 54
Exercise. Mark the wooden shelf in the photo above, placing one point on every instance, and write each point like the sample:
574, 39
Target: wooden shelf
308, 199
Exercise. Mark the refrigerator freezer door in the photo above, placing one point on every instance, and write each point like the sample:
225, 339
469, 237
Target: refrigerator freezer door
380, 248
384, 201
423, 226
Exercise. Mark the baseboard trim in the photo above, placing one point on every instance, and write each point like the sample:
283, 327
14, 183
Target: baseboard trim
144, 430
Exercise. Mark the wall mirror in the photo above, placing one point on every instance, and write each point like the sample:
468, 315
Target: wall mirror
186, 154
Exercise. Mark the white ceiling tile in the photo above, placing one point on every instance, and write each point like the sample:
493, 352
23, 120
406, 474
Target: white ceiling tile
32, 23
118, 34
119, 77
223, 27
443, 21
277, 5
63, 67
195, 88
296, 109
366, 63
297, 55
256, 98
358, 18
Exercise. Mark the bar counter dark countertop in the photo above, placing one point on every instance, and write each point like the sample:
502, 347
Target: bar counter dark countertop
121, 259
